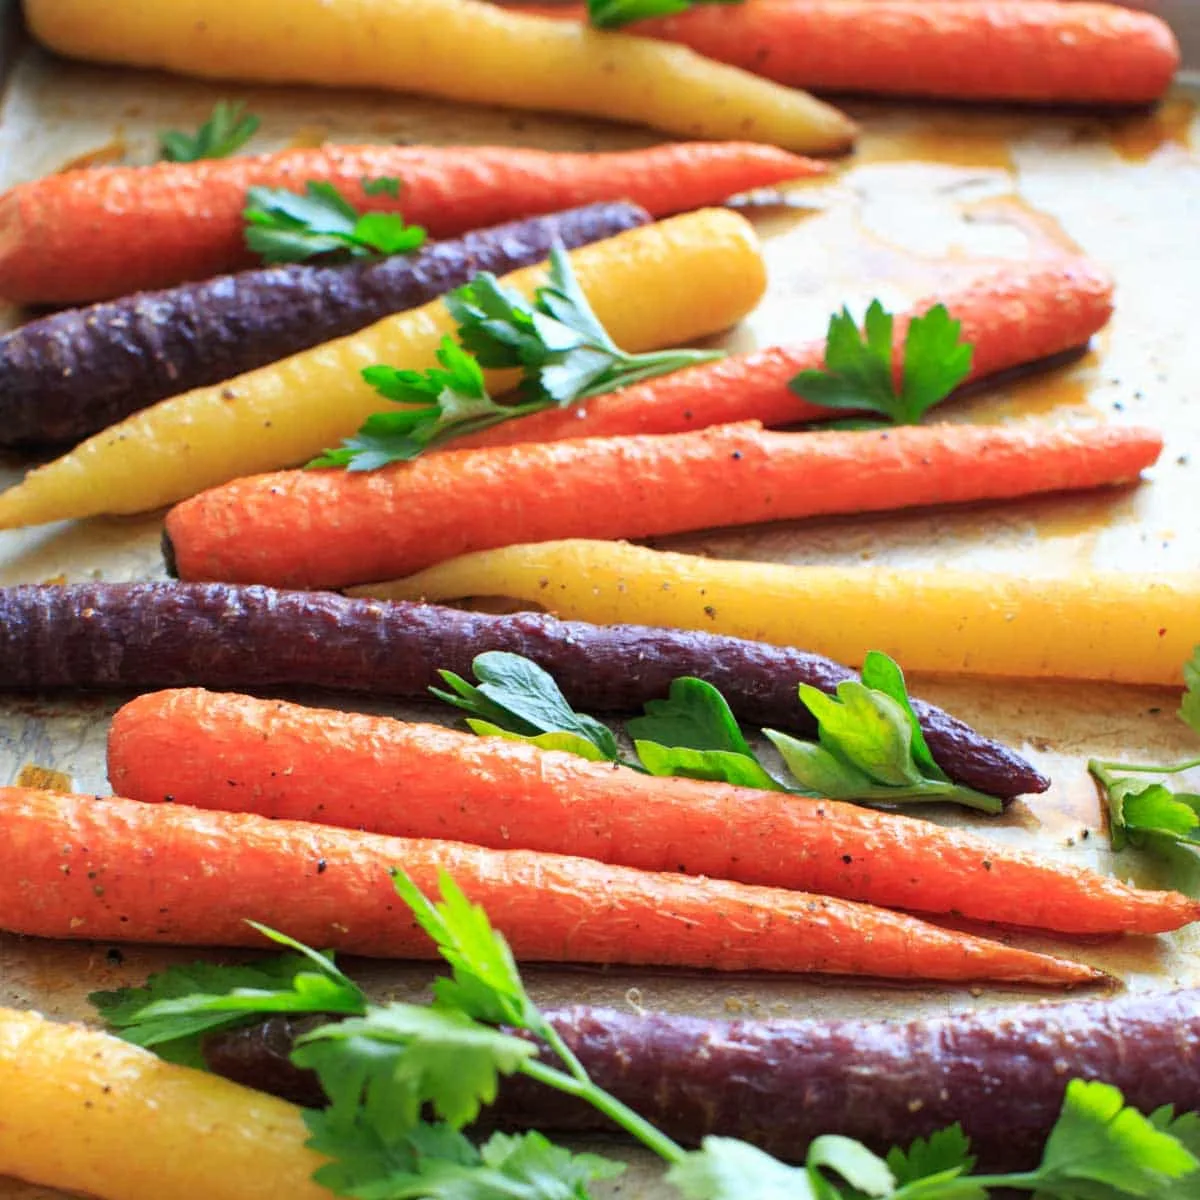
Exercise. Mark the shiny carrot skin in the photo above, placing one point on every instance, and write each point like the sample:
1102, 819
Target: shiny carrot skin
1018, 315
90, 868
241, 754
333, 528
98, 232
1027, 51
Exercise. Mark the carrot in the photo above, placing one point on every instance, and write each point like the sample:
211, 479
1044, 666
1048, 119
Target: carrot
332, 528
1014, 316
1110, 625
156, 226
661, 285
83, 867
457, 49
1035, 51
241, 754
87, 1113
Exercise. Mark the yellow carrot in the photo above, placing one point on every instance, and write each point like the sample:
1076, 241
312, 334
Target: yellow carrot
656, 286
1127, 628
458, 49
84, 1112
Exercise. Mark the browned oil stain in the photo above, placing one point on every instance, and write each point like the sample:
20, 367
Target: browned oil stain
43, 779
113, 151
1045, 392
1138, 139
957, 140
308, 137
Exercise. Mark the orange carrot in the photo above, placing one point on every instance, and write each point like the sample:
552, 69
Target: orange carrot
240, 754
332, 528
1036, 51
100, 232
83, 867
1014, 316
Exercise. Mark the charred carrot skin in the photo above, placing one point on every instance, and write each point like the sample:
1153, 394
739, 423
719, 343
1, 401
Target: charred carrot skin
156, 226
334, 528
84, 867
236, 753
160, 635
1011, 317
72, 373
1031, 51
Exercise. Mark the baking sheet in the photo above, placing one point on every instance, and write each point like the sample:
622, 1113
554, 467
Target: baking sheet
935, 193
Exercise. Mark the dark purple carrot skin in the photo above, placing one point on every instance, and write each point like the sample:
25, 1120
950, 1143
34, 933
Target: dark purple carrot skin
238, 637
65, 376
1001, 1073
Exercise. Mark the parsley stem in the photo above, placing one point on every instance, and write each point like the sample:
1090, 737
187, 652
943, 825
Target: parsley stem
1104, 771
634, 368
610, 1106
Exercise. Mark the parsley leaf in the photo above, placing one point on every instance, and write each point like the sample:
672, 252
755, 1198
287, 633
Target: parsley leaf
726, 1169
556, 340
1097, 1139
228, 129
859, 372
286, 226
443, 403
517, 695
612, 14
397, 1058
1144, 812
870, 746
178, 1006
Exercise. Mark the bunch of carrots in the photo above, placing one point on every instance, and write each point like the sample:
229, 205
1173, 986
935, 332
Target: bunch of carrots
664, 871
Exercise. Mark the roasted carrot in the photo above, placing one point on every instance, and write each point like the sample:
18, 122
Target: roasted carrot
332, 528
1035, 51
1011, 317
661, 285
1111, 625
241, 754
155, 226
83, 867
87, 1113
457, 49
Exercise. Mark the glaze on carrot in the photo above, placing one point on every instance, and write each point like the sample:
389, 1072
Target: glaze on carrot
156, 226
1011, 317
333, 528
241, 754
1030, 51
88, 868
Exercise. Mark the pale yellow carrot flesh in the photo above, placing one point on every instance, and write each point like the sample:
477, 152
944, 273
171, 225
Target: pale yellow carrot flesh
82, 1111
1125, 628
660, 285
457, 49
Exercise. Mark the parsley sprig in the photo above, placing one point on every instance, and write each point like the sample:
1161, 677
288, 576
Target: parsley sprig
612, 14
384, 1070
285, 226
859, 373
1144, 812
556, 341
870, 747
228, 129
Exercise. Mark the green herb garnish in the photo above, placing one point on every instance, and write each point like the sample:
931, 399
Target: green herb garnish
284, 226
557, 342
859, 372
612, 14
1145, 812
228, 129
870, 747
386, 1070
